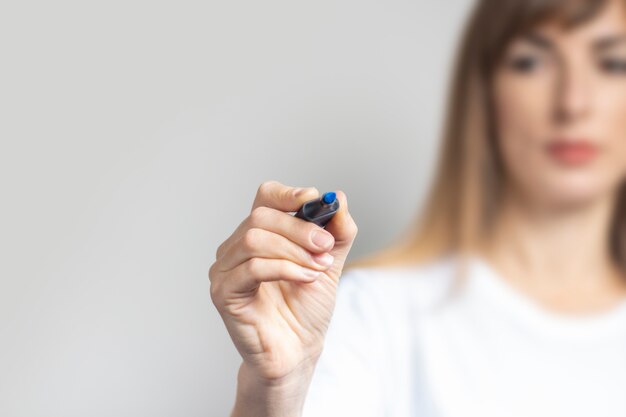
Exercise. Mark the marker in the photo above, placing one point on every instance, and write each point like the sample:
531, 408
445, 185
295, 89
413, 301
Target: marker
319, 210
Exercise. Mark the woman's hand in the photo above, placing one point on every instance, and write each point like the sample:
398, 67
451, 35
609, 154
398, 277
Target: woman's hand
270, 283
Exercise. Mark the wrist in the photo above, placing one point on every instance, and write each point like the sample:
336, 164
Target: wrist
280, 397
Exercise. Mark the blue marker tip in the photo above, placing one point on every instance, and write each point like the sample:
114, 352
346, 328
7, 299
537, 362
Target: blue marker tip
329, 198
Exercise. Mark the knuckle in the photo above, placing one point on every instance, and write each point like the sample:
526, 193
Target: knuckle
220, 250
213, 271
251, 238
265, 186
258, 214
213, 282
253, 265
214, 292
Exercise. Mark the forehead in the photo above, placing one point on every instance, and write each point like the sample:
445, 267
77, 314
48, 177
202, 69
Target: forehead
608, 20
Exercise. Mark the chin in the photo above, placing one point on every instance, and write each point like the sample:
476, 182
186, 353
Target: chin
574, 189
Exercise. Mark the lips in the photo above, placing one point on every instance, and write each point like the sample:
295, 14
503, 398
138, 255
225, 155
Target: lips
572, 152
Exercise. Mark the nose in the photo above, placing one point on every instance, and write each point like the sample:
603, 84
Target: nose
573, 93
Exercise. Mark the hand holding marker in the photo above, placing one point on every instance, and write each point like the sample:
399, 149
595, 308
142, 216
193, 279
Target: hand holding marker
274, 283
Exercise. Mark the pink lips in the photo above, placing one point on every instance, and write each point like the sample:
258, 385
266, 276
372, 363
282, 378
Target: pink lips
572, 152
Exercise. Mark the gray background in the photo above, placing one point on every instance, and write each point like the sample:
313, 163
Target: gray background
134, 136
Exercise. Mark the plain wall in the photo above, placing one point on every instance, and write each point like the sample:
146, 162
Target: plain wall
134, 137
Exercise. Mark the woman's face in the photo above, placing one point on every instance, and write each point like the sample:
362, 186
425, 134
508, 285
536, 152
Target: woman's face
560, 101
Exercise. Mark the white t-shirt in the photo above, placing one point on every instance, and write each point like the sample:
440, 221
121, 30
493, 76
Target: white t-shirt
391, 350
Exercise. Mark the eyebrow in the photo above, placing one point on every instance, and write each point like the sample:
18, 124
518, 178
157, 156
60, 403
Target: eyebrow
599, 44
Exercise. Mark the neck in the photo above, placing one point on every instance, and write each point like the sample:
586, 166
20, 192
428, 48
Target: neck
558, 254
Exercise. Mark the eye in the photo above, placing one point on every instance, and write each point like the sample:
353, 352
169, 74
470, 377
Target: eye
613, 65
524, 63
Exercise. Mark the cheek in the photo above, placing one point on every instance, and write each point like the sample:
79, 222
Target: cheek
611, 116
520, 104
522, 110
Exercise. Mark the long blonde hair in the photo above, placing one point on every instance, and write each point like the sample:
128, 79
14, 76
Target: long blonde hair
464, 195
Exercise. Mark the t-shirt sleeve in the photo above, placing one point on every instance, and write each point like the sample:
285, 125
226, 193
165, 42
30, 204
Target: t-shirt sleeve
346, 380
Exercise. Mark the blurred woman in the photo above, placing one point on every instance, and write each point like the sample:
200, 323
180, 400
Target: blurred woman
507, 295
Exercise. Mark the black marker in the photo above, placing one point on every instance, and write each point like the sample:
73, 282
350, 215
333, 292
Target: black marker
319, 210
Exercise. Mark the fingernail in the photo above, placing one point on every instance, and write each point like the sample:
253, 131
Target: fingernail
324, 259
321, 239
310, 273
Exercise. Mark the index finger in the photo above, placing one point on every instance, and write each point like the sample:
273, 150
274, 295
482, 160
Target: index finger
282, 197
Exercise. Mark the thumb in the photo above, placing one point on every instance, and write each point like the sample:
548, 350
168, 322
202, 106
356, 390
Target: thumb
344, 229
342, 226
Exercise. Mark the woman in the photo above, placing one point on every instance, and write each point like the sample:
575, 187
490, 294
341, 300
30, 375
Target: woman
527, 214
